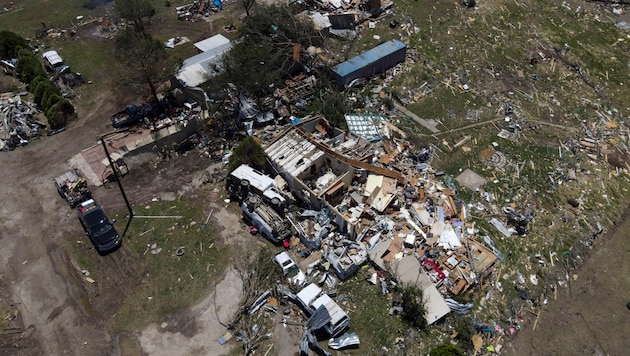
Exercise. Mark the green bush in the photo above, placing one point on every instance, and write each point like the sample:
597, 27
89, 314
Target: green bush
65, 107
29, 71
56, 118
248, 152
414, 310
446, 350
11, 43
59, 113
38, 90
28, 66
51, 100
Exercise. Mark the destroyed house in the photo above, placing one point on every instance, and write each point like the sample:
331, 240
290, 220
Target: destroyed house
371, 199
308, 157
298, 160
311, 174
369, 63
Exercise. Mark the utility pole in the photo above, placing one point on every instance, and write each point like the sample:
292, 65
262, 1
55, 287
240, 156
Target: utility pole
117, 177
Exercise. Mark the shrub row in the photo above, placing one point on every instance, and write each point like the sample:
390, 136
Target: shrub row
30, 71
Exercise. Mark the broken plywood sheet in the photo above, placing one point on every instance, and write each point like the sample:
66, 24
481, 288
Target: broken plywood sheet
483, 257
380, 190
436, 231
410, 272
422, 214
449, 239
501, 227
470, 180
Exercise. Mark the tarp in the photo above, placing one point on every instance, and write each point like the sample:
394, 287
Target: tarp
344, 341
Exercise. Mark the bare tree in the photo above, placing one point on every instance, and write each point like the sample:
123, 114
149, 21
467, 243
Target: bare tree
258, 273
139, 12
144, 60
248, 4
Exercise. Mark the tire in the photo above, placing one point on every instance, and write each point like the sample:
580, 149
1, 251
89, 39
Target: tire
275, 201
254, 200
245, 183
180, 252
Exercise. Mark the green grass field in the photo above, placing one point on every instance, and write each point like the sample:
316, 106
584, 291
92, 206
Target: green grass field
170, 282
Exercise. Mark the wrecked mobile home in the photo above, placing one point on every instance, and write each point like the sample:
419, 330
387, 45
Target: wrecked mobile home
370, 199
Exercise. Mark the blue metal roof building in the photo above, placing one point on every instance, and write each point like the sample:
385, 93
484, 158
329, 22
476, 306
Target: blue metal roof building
370, 62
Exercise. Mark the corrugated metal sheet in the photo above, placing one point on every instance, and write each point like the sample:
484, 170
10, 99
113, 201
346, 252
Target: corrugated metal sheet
207, 55
197, 69
373, 61
211, 43
364, 125
193, 75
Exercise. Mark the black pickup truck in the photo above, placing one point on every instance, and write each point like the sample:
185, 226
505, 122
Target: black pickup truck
98, 227
132, 115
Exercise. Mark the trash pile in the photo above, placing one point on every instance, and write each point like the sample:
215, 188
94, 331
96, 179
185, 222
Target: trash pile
19, 125
199, 9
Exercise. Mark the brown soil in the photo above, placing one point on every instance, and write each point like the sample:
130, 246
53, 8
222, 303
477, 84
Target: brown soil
590, 316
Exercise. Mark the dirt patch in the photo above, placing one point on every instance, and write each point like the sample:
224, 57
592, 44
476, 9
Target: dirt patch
166, 179
15, 337
590, 316
198, 330
617, 159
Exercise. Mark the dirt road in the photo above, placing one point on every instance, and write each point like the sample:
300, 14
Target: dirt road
36, 224
61, 311
55, 311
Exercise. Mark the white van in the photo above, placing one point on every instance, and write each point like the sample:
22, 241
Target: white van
245, 179
268, 223
53, 62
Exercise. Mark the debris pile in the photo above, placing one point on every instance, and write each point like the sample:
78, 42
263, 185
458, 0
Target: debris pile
19, 124
199, 9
